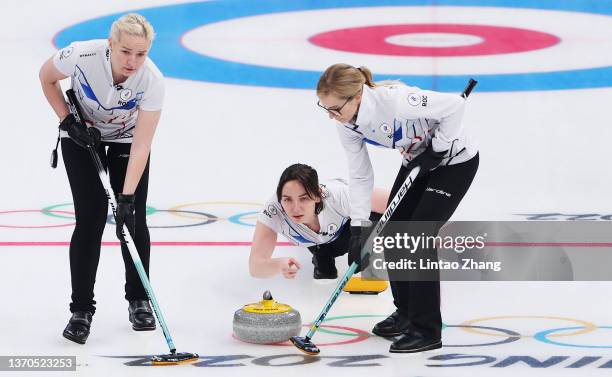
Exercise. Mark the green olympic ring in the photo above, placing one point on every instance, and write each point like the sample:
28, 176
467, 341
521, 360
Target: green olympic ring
321, 329
353, 316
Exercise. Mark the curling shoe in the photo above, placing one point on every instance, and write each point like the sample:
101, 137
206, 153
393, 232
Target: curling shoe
78, 326
141, 315
324, 270
393, 325
414, 342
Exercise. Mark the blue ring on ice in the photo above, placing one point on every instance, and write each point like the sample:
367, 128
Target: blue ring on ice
174, 60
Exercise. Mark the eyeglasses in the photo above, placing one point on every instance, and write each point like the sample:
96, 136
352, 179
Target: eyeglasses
336, 111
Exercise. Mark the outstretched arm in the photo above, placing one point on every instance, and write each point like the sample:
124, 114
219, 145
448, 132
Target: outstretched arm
261, 263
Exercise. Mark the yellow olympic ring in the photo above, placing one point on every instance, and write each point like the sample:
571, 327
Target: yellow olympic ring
181, 206
588, 326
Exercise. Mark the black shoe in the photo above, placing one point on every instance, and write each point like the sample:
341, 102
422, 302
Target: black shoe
141, 315
78, 326
324, 270
393, 325
414, 342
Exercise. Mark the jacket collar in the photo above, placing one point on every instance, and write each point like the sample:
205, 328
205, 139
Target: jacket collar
366, 107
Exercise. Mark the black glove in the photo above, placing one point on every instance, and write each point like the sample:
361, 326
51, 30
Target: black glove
359, 234
427, 160
125, 215
82, 135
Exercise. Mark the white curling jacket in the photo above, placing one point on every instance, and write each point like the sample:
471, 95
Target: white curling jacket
112, 109
332, 218
404, 118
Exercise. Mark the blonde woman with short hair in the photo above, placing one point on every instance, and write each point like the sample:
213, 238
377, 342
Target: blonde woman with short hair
121, 92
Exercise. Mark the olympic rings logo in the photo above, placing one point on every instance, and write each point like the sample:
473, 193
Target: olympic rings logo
185, 215
480, 326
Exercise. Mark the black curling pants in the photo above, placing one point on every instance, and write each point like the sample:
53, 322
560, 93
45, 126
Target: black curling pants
91, 212
327, 253
433, 197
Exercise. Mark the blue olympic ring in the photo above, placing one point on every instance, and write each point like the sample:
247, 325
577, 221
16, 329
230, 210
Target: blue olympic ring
542, 337
174, 60
237, 219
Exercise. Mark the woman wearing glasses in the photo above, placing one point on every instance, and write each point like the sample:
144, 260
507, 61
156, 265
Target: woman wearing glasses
308, 214
425, 127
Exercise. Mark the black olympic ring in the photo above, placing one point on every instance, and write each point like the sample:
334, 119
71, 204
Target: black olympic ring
209, 219
513, 336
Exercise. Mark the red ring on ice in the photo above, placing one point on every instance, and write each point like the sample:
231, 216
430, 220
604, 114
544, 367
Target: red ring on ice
360, 336
496, 40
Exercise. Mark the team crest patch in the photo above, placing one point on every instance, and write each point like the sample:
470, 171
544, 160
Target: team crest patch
332, 228
385, 128
125, 94
272, 210
414, 99
324, 191
66, 52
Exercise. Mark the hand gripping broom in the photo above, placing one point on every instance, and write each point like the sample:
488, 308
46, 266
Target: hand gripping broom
173, 357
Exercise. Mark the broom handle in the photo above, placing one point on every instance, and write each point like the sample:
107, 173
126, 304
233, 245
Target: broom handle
129, 242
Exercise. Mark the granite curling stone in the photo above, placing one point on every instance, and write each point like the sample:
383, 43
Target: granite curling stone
266, 322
